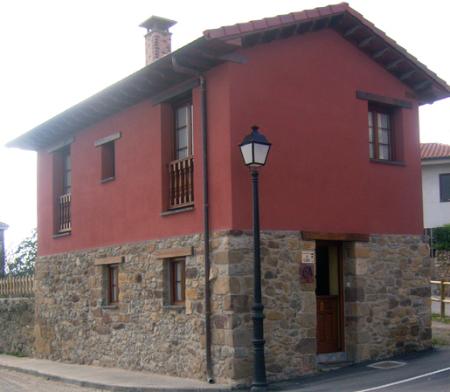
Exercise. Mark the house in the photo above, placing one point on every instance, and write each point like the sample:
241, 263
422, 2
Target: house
435, 184
144, 204
3, 227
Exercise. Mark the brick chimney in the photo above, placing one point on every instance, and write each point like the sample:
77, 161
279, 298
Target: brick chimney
158, 38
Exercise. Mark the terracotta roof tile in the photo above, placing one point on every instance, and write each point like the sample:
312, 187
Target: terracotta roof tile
229, 33
434, 150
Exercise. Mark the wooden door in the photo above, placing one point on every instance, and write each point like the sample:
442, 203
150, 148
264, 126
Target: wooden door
328, 298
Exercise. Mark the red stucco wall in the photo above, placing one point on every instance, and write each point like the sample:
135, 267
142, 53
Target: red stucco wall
129, 208
301, 91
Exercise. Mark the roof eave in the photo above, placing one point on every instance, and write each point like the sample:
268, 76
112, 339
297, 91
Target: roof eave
142, 84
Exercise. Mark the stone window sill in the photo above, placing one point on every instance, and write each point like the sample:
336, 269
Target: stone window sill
61, 235
105, 180
179, 308
177, 211
386, 162
110, 307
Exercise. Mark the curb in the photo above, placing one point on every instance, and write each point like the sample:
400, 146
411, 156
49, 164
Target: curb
106, 387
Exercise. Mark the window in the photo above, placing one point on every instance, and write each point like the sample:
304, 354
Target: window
181, 167
444, 187
177, 281
183, 131
112, 283
67, 170
62, 182
380, 134
108, 161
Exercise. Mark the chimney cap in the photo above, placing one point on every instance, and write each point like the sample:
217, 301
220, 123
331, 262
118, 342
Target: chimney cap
157, 23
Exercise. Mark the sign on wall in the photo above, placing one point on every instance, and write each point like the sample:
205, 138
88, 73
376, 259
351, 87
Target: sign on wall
308, 256
306, 271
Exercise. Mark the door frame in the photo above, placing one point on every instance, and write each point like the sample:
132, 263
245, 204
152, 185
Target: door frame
341, 302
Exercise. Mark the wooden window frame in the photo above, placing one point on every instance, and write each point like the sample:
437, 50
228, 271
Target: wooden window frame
441, 189
112, 276
66, 171
174, 280
373, 111
62, 189
190, 141
108, 161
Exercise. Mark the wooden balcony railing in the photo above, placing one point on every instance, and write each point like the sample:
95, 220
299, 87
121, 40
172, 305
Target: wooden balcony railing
64, 218
181, 190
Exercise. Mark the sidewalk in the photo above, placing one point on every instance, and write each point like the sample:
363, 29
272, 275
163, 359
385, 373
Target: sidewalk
111, 379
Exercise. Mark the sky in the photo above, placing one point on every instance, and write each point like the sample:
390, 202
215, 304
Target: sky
55, 53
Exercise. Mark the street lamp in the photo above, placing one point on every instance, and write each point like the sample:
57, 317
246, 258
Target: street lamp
255, 148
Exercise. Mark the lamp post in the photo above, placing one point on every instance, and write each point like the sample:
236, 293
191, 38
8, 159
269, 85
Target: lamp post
255, 148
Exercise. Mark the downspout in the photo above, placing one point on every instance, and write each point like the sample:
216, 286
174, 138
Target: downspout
207, 292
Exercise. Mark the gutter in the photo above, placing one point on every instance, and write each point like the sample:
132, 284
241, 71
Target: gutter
207, 292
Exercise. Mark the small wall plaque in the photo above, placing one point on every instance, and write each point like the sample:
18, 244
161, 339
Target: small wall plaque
306, 273
308, 257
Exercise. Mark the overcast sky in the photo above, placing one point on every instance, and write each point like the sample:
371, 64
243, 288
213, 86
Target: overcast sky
54, 53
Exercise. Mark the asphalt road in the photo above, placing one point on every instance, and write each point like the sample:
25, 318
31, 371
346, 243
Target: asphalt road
11, 381
423, 372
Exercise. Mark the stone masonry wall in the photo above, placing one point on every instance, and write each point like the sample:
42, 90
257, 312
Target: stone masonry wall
73, 325
387, 296
387, 306
16, 325
290, 315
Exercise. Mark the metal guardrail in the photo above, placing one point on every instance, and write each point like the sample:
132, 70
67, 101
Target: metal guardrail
17, 286
442, 297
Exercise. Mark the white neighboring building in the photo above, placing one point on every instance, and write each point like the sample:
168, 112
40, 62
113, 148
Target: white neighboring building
435, 184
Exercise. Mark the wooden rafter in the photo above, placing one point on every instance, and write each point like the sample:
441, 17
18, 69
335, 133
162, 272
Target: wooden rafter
407, 75
352, 30
380, 53
366, 41
422, 85
394, 64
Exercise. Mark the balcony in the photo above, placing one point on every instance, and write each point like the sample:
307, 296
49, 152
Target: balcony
181, 177
64, 219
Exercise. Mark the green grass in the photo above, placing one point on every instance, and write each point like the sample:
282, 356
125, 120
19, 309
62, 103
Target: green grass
437, 317
439, 342
16, 354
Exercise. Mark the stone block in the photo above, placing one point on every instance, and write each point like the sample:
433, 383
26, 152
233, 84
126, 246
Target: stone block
306, 346
309, 245
220, 257
361, 266
242, 369
361, 251
242, 337
221, 286
274, 315
191, 293
354, 294
237, 303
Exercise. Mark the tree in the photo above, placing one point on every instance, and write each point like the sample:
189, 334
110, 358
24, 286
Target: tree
21, 261
441, 238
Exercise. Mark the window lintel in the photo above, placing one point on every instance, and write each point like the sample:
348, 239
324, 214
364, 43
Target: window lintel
381, 99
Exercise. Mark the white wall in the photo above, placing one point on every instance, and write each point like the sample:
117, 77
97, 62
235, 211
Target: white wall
435, 213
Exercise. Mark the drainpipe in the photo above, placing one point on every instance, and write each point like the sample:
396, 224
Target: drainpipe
207, 292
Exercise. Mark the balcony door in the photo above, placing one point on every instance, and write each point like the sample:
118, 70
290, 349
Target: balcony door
183, 131
181, 168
